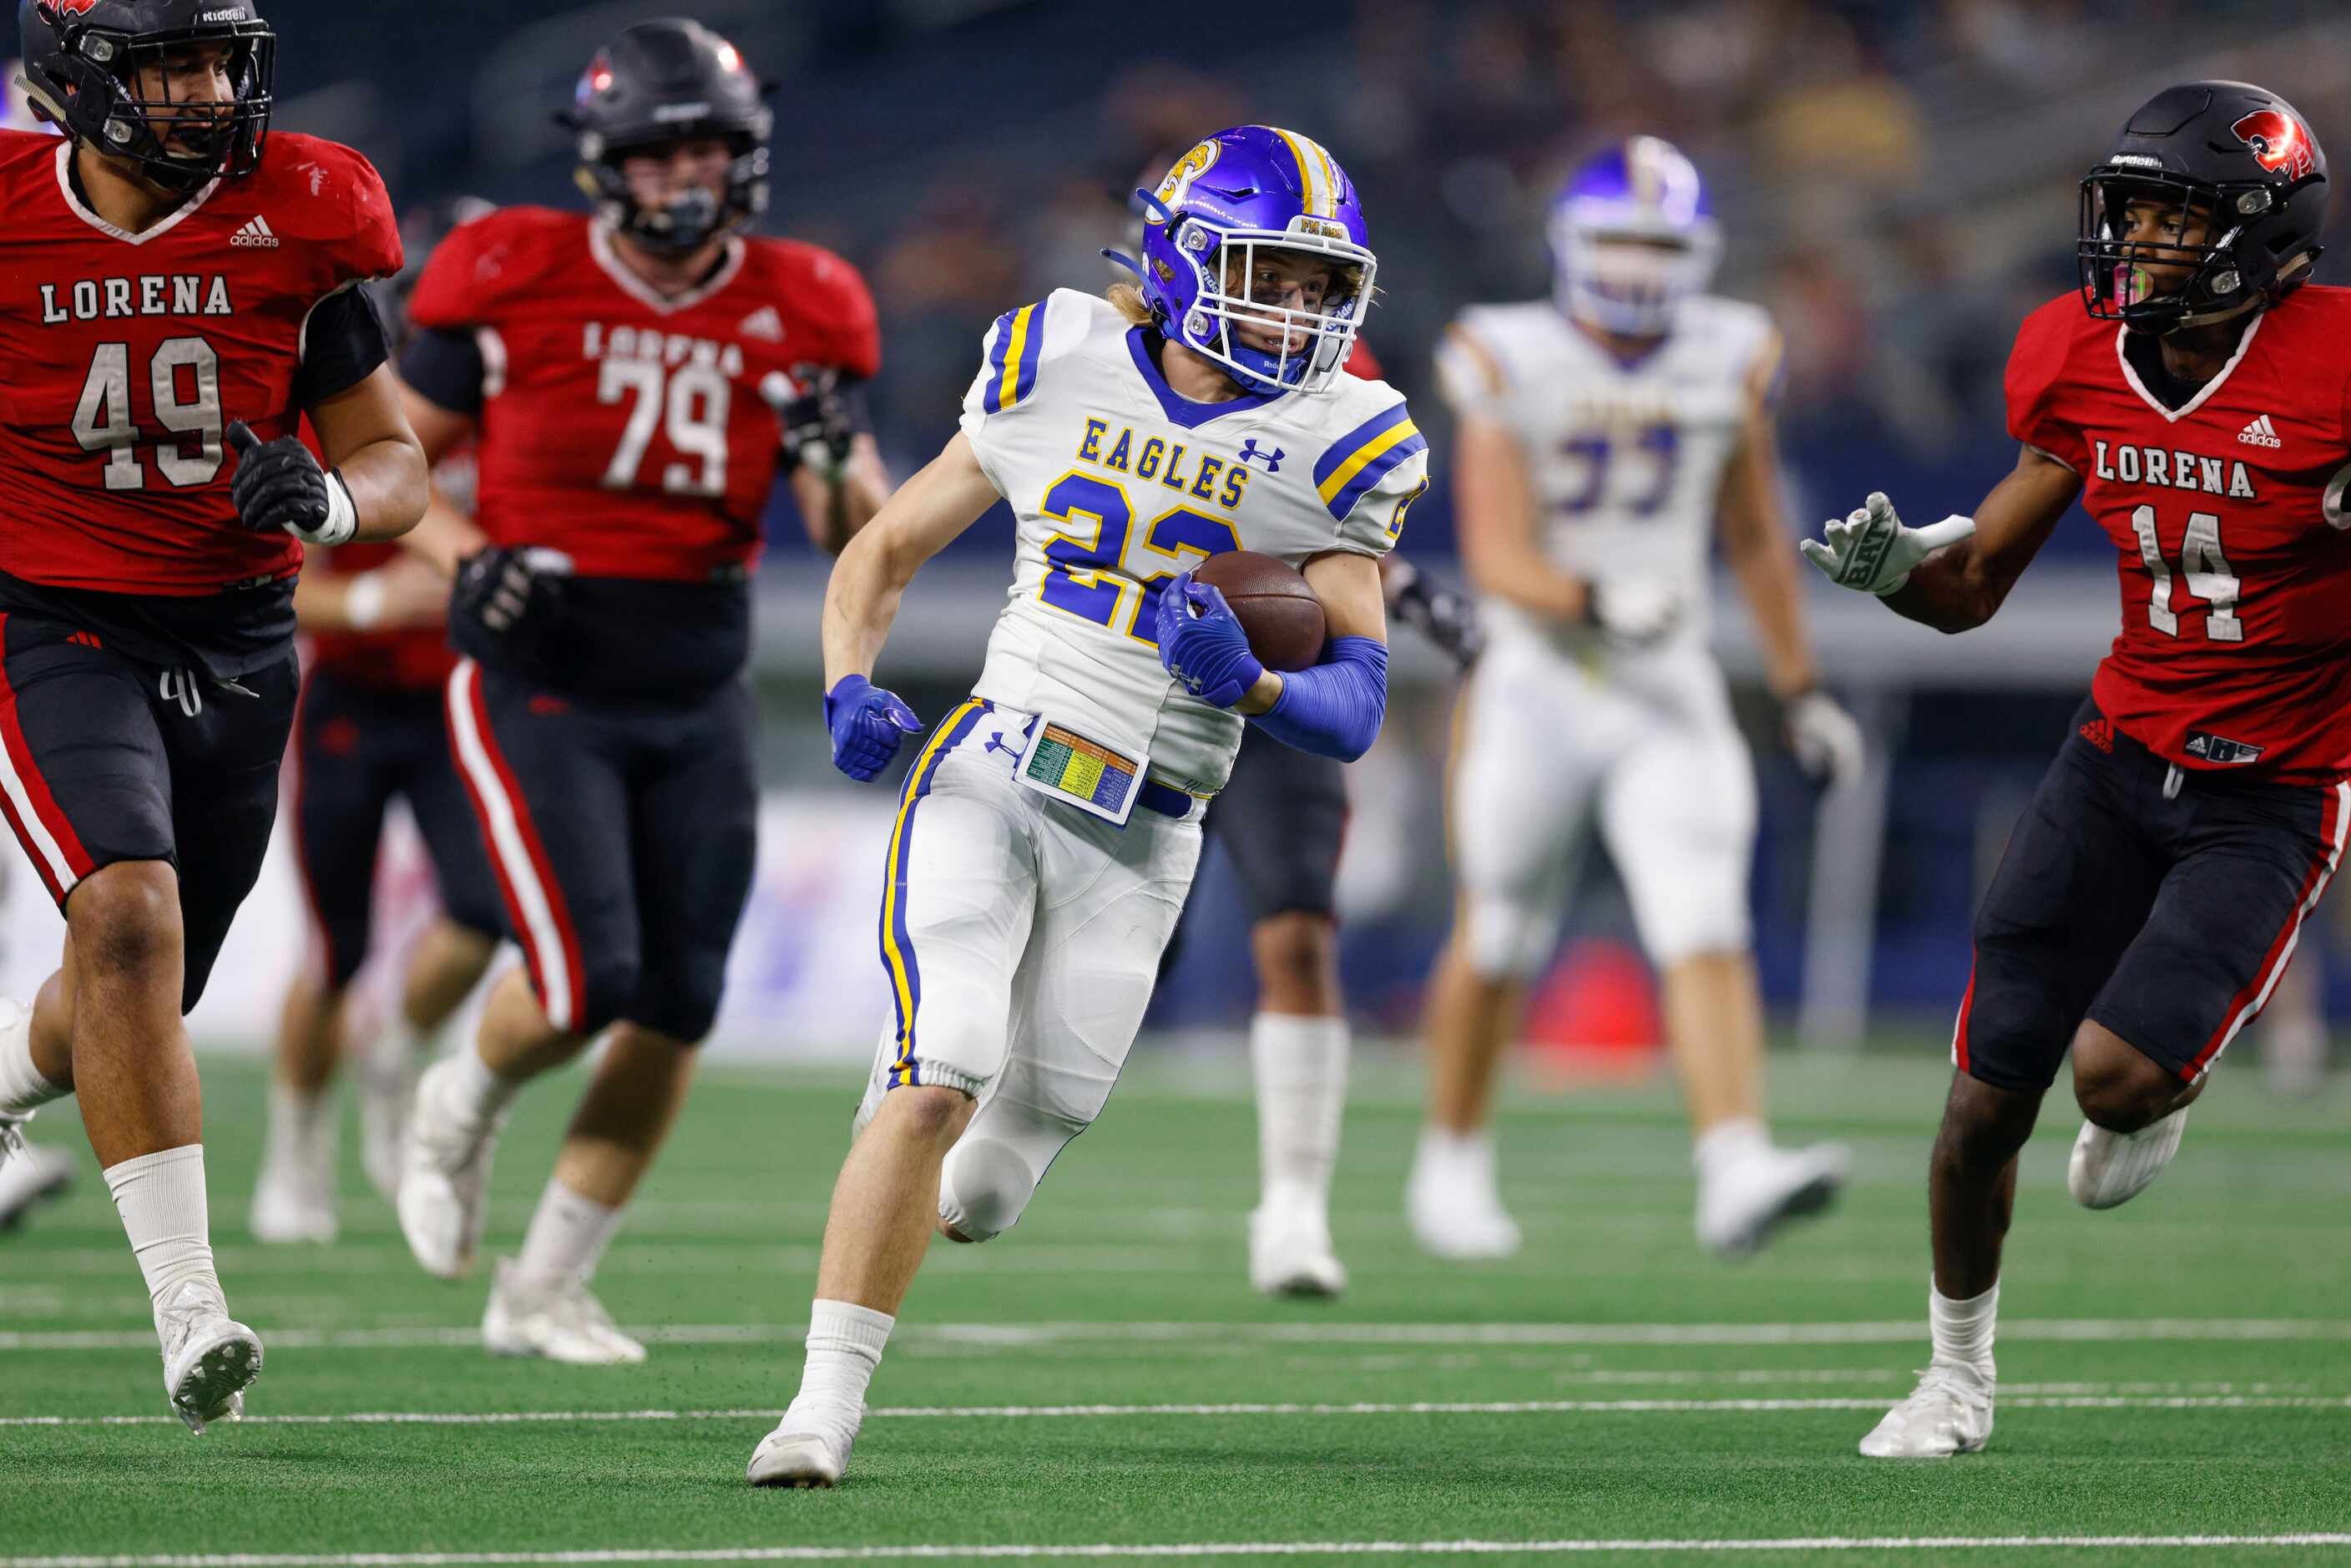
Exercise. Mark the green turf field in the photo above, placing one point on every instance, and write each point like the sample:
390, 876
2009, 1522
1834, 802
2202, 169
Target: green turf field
2180, 1367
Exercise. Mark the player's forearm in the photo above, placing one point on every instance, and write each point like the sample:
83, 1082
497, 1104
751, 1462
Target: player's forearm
1529, 581
1767, 579
1949, 591
836, 511
861, 604
445, 536
388, 483
322, 603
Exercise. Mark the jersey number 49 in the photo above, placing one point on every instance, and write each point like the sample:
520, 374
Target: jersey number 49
102, 420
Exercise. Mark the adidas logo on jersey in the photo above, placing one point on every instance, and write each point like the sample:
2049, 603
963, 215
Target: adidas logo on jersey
766, 322
2260, 433
256, 235
2100, 734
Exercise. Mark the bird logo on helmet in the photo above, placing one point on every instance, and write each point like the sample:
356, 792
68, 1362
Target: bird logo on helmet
2278, 140
656, 85
2230, 188
1633, 235
96, 69
1237, 202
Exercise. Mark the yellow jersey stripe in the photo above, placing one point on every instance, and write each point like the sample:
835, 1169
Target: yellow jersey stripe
1404, 430
1007, 391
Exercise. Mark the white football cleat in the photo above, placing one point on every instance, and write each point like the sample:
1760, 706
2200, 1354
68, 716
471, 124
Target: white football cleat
387, 1095
2111, 1168
567, 1325
1738, 1210
444, 1179
209, 1360
1950, 1413
1453, 1203
803, 1451
31, 1177
287, 1211
1290, 1253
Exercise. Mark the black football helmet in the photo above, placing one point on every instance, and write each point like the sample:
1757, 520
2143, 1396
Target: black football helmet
662, 82
2236, 156
81, 63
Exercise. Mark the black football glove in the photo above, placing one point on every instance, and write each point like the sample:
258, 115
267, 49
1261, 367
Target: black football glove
1444, 617
499, 589
279, 485
820, 427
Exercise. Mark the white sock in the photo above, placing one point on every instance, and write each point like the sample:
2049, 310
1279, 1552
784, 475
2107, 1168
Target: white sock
402, 1042
1301, 1096
22, 1085
160, 1198
1963, 1330
301, 1129
1728, 1144
475, 1092
1455, 1157
566, 1241
844, 1346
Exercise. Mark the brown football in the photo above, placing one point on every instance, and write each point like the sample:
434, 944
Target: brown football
1277, 609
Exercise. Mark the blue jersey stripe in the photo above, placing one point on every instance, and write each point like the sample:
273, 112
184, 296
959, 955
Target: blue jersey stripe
1356, 440
1377, 469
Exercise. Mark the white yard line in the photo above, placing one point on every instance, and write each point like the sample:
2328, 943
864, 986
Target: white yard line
1177, 1548
1014, 1336
1115, 1412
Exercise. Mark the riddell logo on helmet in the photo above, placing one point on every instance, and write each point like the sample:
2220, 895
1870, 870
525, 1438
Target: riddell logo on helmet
2279, 142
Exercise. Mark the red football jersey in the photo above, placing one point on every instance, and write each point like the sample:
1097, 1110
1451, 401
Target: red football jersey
128, 356
631, 432
2230, 521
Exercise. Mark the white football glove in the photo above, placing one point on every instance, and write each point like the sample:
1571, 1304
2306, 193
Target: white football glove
1872, 551
1825, 740
1636, 613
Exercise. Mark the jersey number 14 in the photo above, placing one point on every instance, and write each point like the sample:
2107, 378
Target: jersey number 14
2204, 567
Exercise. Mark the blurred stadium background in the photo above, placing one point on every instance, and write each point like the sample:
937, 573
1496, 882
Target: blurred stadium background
1897, 180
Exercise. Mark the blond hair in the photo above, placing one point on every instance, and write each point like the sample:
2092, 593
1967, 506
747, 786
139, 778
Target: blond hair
1127, 300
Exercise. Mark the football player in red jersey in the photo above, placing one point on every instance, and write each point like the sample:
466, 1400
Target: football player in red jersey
175, 284
638, 380
2200, 410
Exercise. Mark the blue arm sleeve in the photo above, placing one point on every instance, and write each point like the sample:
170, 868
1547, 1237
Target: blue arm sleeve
1333, 709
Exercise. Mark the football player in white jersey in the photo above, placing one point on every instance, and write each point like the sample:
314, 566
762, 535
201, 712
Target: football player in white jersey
1046, 833
1607, 436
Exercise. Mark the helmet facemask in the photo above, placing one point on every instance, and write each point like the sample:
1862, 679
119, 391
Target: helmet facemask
690, 218
2172, 280
92, 88
1267, 345
1631, 278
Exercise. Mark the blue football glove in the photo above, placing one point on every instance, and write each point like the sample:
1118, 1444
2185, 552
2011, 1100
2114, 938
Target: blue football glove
1202, 645
868, 725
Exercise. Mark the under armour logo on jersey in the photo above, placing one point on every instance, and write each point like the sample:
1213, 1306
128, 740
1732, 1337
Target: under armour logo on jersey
254, 236
2260, 433
766, 322
996, 743
1272, 460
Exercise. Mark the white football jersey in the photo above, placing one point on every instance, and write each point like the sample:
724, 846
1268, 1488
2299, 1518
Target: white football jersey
1119, 485
1627, 458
